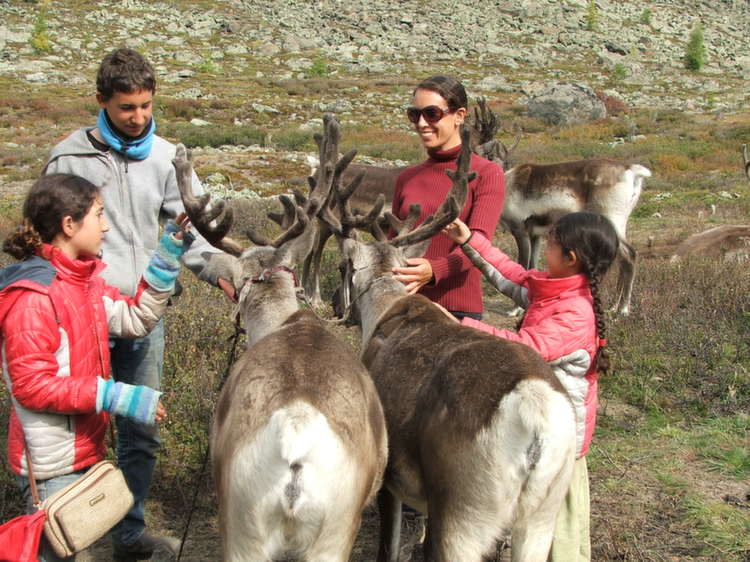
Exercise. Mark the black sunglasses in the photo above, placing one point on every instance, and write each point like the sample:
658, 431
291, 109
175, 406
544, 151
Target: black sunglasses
431, 113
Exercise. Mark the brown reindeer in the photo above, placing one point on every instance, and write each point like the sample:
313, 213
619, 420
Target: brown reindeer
481, 432
298, 443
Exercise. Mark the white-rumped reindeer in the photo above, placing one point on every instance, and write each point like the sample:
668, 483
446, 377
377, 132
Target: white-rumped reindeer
481, 432
298, 443
536, 195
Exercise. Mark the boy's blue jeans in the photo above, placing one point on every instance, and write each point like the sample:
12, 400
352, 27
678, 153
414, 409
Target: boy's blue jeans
137, 361
45, 488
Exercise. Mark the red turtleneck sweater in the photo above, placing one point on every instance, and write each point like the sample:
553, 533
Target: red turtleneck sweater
456, 284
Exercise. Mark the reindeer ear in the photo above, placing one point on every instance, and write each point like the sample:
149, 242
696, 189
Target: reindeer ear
417, 250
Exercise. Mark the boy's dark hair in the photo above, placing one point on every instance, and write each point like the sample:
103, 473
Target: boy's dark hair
594, 240
49, 200
124, 70
451, 89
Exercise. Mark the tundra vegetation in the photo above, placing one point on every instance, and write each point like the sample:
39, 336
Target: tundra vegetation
670, 462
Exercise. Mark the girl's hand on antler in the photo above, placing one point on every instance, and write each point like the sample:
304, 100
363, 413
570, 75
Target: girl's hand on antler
457, 231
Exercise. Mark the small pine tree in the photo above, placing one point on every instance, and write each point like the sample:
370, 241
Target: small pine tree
645, 18
592, 16
40, 41
695, 54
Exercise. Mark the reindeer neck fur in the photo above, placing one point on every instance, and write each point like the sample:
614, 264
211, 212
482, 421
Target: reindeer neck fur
376, 297
267, 304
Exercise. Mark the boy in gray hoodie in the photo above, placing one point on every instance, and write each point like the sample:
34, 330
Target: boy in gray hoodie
133, 166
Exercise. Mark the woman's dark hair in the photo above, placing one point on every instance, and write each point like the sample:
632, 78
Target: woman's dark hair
124, 70
49, 200
451, 89
594, 240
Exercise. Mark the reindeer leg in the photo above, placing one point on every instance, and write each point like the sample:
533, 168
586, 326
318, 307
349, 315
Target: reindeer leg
390, 526
534, 253
627, 258
523, 242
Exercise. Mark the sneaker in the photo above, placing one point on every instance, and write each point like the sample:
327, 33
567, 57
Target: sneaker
144, 548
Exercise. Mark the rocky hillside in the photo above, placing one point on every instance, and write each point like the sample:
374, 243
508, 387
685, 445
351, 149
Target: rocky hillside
635, 48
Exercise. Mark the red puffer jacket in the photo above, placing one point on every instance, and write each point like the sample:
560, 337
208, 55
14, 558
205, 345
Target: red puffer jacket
55, 318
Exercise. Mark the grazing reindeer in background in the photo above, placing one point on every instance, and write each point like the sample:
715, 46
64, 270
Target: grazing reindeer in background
746, 161
536, 195
298, 443
481, 432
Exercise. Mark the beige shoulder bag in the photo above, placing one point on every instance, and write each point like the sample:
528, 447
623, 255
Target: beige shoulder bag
86, 509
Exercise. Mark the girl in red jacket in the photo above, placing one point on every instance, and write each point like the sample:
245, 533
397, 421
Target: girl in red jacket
564, 323
56, 316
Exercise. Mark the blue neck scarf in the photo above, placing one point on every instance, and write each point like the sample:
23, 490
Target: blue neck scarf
137, 148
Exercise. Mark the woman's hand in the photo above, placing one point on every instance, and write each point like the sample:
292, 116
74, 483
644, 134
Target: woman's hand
417, 274
457, 231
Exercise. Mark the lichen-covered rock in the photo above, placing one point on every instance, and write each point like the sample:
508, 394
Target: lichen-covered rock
566, 103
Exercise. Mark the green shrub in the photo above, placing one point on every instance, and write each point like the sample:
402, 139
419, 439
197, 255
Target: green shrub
693, 337
695, 53
207, 66
319, 67
645, 18
293, 139
592, 16
212, 135
619, 72
40, 41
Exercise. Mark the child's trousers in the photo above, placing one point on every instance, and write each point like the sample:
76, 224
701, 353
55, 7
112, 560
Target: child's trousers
572, 542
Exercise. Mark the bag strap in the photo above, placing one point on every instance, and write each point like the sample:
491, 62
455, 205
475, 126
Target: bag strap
32, 481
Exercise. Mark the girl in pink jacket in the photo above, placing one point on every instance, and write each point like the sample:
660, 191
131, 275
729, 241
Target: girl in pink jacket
56, 315
564, 323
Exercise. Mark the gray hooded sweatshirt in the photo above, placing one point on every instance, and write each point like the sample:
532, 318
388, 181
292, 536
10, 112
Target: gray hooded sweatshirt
137, 194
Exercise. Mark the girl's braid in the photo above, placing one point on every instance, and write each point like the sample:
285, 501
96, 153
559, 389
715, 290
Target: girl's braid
595, 275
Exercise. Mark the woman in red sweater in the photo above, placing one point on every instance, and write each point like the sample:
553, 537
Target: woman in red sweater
445, 275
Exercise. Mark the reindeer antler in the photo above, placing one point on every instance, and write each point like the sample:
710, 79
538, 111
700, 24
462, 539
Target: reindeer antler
328, 174
484, 122
294, 222
204, 212
405, 236
349, 221
331, 166
452, 205
502, 152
